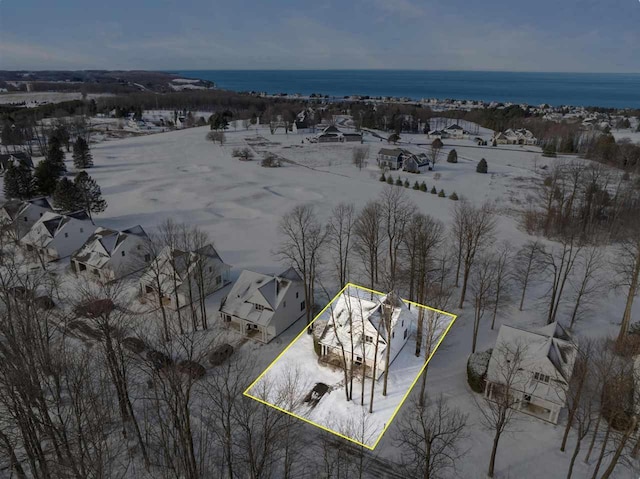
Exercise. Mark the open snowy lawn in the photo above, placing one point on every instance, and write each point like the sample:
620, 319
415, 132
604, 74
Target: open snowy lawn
291, 377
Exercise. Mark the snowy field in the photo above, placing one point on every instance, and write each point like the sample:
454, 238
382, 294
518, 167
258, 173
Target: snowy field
181, 175
287, 381
36, 98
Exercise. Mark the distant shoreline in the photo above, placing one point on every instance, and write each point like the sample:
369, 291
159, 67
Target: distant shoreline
601, 90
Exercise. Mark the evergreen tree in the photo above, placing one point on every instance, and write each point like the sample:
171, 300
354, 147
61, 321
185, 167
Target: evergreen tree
453, 196
441, 194
383, 178
390, 179
549, 150
67, 197
452, 157
81, 154
416, 186
18, 182
398, 182
406, 183
55, 155
46, 177
423, 187
482, 166
433, 190
92, 201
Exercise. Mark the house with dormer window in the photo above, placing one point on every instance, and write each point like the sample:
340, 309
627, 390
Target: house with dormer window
542, 382
262, 306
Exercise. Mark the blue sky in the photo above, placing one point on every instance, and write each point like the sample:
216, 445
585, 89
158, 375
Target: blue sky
515, 35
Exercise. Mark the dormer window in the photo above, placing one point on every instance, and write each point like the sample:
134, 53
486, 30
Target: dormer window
81, 230
122, 253
368, 339
66, 235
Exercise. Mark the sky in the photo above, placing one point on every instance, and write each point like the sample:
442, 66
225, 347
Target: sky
509, 35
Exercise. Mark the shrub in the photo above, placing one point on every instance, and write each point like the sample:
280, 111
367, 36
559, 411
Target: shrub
270, 161
482, 166
390, 179
416, 186
452, 157
243, 154
437, 176
441, 194
477, 365
423, 187
406, 183
383, 178
398, 182
434, 191
453, 196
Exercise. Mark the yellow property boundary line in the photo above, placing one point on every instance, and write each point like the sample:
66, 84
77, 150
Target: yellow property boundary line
304, 330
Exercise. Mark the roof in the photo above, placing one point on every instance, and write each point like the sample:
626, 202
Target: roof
354, 315
253, 288
49, 226
13, 207
19, 156
455, 126
103, 243
546, 350
390, 151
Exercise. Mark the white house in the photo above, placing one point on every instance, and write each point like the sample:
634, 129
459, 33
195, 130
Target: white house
108, 254
393, 158
355, 320
545, 369
23, 214
455, 131
181, 275
521, 136
261, 306
55, 236
417, 163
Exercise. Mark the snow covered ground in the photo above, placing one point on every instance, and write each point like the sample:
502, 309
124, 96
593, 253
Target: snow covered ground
179, 174
287, 381
41, 97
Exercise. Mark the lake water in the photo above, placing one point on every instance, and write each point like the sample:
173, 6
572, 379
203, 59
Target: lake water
578, 89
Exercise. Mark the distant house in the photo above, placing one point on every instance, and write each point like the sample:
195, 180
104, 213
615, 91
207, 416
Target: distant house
109, 254
417, 163
15, 159
331, 134
178, 274
455, 131
55, 236
392, 158
543, 378
360, 322
520, 136
262, 306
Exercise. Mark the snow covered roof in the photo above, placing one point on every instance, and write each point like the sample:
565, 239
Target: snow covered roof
355, 316
103, 243
253, 289
546, 351
50, 225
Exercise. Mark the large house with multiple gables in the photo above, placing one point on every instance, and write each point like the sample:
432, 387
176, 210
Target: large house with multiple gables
546, 358
109, 254
262, 306
356, 322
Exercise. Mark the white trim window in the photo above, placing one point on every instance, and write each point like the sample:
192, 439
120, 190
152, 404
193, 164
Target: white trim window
542, 378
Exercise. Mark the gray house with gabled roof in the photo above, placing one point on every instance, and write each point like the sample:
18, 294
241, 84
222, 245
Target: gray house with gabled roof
262, 306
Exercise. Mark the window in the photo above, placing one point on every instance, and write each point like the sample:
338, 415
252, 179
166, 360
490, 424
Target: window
210, 269
526, 398
66, 235
259, 307
393, 334
27, 219
218, 279
358, 360
123, 253
139, 247
302, 305
284, 304
147, 257
405, 333
297, 293
96, 272
543, 378
81, 230
403, 323
368, 339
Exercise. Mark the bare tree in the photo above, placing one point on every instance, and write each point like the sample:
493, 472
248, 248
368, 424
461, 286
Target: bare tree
483, 279
397, 211
527, 266
628, 268
559, 262
360, 155
339, 234
502, 262
590, 263
498, 408
429, 439
434, 151
303, 239
473, 228
369, 239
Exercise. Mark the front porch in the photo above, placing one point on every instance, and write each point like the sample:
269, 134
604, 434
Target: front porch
247, 329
